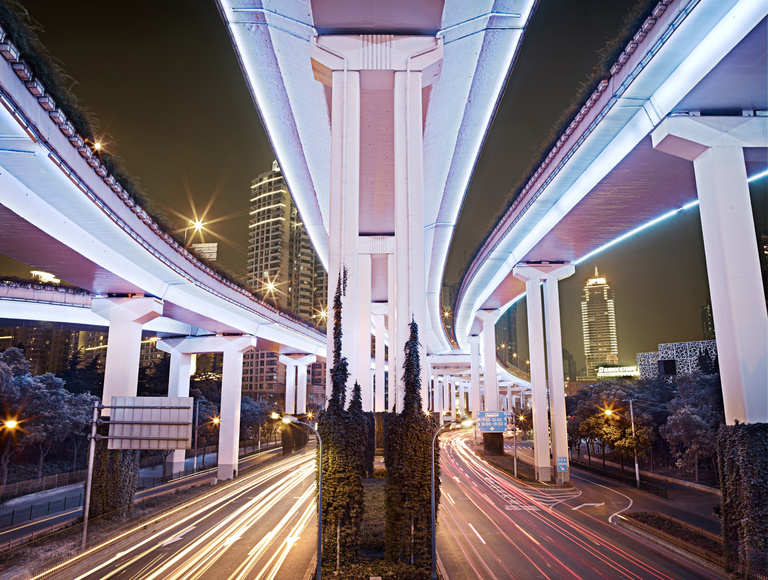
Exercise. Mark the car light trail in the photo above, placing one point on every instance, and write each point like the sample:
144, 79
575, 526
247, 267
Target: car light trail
523, 518
219, 524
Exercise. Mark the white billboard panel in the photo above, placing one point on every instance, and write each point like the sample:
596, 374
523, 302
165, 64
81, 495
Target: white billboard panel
151, 423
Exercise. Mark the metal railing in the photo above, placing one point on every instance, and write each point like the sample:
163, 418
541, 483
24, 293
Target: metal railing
38, 510
657, 490
12, 490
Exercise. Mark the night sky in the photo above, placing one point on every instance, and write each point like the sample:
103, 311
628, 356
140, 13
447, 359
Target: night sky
163, 81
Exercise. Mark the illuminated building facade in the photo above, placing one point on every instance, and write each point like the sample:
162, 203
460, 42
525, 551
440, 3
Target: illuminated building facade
598, 319
284, 270
685, 356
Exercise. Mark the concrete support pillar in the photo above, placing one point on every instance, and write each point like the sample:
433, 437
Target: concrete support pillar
534, 274
462, 405
715, 145
488, 335
394, 399
558, 418
474, 366
426, 379
344, 214
301, 389
290, 389
452, 396
126, 317
379, 321
538, 379
178, 386
296, 381
233, 348
364, 330
337, 61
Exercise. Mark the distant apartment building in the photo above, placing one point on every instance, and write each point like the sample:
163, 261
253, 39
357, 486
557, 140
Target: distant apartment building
674, 358
284, 270
598, 318
707, 322
47, 346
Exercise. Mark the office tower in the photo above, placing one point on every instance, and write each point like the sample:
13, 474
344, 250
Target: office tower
284, 270
598, 318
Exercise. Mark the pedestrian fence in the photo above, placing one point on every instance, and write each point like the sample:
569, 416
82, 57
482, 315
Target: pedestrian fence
30, 486
12, 490
39, 510
657, 490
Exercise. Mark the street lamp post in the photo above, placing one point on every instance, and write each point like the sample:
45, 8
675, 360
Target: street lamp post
290, 419
610, 412
464, 423
514, 437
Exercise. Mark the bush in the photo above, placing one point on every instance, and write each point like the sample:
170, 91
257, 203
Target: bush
674, 528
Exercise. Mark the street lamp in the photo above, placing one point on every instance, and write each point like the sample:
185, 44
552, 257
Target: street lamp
290, 419
11, 424
463, 423
608, 413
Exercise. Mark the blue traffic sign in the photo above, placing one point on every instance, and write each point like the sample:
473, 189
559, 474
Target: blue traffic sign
562, 463
492, 421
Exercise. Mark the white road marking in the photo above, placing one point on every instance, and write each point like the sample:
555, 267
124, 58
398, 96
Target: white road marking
476, 533
173, 539
587, 504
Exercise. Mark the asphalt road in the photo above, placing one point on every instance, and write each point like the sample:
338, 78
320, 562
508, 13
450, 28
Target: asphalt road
491, 529
246, 528
58, 514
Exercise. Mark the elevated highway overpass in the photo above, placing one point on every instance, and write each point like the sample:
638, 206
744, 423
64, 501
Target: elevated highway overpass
63, 211
680, 122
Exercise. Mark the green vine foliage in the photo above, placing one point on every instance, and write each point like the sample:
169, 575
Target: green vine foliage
115, 481
407, 453
742, 462
344, 436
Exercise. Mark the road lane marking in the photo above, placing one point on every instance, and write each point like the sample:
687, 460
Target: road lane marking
177, 537
587, 504
476, 533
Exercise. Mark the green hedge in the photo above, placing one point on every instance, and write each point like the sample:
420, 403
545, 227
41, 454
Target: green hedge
676, 529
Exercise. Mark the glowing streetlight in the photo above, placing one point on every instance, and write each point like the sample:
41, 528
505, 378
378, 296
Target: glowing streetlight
97, 145
216, 420
609, 412
11, 424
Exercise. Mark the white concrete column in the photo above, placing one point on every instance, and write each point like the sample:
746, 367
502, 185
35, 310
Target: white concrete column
462, 389
559, 421
452, 396
229, 414
290, 389
715, 145
378, 319
488, 335
538, 375
474, 365
301, 387
394, 399
296, 381
426, 376
233, 348
344, 213
126, 317
364, 332
178, 386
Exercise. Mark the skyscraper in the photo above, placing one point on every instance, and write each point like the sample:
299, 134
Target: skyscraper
598, 319
284, 270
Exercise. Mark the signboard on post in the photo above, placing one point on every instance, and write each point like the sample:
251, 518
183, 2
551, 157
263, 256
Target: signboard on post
562, 463
151, 423
491, 421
